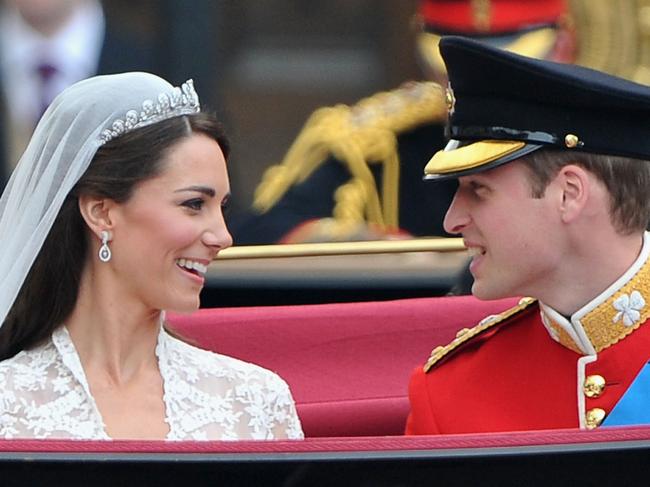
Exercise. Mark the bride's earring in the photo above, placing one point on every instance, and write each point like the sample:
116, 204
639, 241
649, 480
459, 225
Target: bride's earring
104, 251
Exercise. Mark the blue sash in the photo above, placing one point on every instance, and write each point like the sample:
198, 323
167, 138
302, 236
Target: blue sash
634, 406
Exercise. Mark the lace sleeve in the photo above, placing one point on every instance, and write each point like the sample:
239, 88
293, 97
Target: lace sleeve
288, 424
40, 398
8, 406
268, 409
211, 396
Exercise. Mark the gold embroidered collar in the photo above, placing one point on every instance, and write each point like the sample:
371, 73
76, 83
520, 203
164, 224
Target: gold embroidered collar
617, 312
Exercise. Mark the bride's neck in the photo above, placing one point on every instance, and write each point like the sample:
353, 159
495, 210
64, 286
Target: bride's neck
112, 332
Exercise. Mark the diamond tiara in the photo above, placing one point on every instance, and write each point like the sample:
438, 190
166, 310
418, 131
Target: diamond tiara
181, 101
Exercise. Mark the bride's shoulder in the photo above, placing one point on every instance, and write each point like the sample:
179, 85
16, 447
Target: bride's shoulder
30, 360
196, 361
28, 371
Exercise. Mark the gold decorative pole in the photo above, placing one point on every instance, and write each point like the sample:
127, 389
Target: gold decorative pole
343, 248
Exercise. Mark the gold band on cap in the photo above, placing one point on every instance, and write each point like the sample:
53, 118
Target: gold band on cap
537, 44
471, 156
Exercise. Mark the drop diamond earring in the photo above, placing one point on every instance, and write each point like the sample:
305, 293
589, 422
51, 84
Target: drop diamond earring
105, 251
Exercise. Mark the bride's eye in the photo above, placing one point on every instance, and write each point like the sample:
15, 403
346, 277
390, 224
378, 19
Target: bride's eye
194, 204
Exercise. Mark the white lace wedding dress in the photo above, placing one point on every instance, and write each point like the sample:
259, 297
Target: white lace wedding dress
44, 394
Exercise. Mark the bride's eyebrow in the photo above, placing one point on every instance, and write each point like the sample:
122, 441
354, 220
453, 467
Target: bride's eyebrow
198, 189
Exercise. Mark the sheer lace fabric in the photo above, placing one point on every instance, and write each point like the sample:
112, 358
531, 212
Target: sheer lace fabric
44, 394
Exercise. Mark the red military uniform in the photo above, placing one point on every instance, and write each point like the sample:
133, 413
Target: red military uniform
531, 368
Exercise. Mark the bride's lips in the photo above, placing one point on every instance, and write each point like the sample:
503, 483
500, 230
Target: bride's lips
193, 268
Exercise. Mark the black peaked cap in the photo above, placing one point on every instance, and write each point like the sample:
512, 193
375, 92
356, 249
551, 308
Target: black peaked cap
498, 95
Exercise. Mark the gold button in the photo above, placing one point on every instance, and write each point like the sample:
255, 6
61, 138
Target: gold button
571, 141
594, 386
594, 417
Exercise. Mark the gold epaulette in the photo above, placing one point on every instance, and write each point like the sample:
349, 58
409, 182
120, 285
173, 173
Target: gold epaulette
358, 135
467, 334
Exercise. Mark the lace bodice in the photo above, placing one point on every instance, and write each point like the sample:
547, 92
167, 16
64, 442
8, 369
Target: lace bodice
44, 394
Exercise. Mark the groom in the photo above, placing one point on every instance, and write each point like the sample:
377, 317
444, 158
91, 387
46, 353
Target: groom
553, 202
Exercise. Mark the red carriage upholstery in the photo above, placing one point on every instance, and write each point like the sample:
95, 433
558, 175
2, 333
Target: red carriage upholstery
347, 364
631, 436
607, 456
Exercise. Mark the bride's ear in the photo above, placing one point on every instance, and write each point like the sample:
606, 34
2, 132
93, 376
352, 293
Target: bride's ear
96, 213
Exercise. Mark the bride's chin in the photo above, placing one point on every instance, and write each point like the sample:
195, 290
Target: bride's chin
185, 312
186, 307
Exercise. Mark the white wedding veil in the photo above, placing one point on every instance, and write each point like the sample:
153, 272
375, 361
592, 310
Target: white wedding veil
77, 123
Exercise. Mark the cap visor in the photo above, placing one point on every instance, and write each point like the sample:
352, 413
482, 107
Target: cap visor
475, 157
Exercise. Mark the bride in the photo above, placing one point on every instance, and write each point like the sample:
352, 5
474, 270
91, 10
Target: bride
112, 215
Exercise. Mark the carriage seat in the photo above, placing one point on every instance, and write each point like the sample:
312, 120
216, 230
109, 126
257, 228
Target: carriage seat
347, 364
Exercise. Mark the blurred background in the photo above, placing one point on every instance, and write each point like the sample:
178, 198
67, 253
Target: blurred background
284, 59
265, 66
